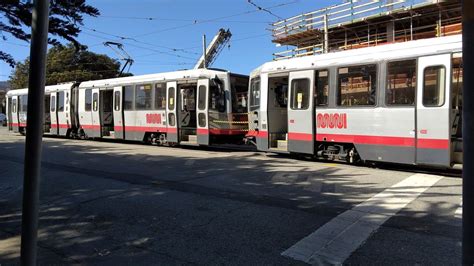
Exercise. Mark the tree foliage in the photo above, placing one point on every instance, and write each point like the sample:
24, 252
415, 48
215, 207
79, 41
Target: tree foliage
65, 63
65, 19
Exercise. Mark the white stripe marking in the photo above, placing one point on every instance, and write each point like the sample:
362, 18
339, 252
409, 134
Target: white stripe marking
189, 162
458, 213
335, 241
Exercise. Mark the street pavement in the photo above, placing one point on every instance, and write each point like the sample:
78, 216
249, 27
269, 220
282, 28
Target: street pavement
106, 202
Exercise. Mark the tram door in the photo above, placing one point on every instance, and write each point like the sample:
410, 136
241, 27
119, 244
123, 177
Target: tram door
119, 123
96, 129
202, 112
301, 112
9, 114
433, 110
54, 114
172, 135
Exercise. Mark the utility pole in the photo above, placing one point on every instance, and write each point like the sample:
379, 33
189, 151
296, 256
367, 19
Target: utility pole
34, 131
468, 137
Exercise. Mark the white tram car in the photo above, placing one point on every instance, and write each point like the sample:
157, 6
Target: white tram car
398, 103
196, 107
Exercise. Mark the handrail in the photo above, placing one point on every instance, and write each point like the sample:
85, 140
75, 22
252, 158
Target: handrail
343, 14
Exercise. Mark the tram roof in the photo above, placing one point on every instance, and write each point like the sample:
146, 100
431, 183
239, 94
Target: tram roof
174, 75
409, 49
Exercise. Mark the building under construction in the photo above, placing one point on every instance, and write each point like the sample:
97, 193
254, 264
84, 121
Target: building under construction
363, 23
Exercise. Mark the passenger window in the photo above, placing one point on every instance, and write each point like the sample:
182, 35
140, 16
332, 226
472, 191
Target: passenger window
14, 106
61, 101
117, 101
254, 94
53, 104
95, 102
127, 98
300, 94
357, 86
171, 92
23, 103
202, 98
88, 100
160, 96
401, 83
143, 98
216, 99
322, 87
434, 86
240, 90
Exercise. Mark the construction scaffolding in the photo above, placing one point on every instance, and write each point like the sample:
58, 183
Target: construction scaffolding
364, 23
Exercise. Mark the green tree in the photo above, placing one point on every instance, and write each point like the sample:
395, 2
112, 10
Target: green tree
65, 64
65, 19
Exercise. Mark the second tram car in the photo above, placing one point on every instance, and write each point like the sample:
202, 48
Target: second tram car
398, 103
196, 107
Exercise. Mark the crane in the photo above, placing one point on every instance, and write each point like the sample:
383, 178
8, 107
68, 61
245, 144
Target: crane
213, 49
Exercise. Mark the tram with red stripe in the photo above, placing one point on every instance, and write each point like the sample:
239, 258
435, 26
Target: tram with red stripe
194, 107
397, 103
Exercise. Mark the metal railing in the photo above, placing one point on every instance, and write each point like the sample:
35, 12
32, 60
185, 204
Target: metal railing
298, 52
343, 14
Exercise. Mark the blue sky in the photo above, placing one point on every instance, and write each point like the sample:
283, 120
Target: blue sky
173, 27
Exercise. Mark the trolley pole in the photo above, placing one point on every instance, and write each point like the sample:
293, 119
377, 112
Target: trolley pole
468, 137
204, 50
34, 131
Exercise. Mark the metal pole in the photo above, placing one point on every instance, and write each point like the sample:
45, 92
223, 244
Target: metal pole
468, 137
34, 131
204, 50
326, 34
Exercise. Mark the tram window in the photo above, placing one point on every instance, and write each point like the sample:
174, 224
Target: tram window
322, 87
457, 81
143, 97
188, 98
202, 98
300, 94
53, 104
216, 99
23, 103
128, 98
160, 96
434, 84
401, 83
117, 101
14, 106
95, 102
88, 100
255, 93
357, 85
61, 101
171, 94
240, 89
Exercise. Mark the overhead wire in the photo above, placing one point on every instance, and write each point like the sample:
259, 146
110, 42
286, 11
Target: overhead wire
183, 20
144, 48
138, 41
264, 9
184, 50
215, 19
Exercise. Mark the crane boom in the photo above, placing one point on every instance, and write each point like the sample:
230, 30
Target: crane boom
214, 48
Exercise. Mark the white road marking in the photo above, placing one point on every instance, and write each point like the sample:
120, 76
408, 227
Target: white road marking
458, 213
335, 241
189, 162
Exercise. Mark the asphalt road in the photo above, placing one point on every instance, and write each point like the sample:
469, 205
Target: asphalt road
121, 203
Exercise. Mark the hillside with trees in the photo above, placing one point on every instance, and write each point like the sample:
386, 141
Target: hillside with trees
65, 64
